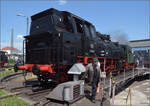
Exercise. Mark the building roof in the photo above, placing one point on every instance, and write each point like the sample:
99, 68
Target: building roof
140, 40
140, 43
9, 48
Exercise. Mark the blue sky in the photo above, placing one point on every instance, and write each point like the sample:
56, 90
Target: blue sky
127, 18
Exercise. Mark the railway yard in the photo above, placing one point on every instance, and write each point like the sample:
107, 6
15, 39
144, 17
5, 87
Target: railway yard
66, 60
33, 94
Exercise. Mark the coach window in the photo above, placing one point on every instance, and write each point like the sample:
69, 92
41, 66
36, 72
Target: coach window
79, 25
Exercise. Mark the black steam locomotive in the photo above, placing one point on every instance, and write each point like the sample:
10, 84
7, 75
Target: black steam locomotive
3, 59
59, 39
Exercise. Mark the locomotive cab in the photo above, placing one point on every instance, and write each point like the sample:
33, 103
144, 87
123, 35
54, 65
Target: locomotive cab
50, 20
53, 29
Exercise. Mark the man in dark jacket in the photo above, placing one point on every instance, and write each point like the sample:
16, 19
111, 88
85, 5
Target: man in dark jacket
93, 71
18, 62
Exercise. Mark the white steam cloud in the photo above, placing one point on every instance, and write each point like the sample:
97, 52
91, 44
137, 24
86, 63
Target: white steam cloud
119, 36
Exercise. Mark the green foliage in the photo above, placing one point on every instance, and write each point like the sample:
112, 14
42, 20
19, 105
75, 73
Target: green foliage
6, 72
2, 93
11, 61
11, 101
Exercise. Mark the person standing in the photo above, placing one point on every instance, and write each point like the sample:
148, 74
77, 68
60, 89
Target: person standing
93, 72
18, 62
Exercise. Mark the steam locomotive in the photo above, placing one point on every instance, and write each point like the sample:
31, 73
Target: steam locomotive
59, 39
3, 59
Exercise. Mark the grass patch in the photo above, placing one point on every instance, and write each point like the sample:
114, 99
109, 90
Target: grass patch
11, 101
6, 72
2, 93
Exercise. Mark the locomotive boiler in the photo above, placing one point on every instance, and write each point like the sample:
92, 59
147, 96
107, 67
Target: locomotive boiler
59, 39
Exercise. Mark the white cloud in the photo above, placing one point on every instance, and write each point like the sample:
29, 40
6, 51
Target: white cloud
62, 2
19, 36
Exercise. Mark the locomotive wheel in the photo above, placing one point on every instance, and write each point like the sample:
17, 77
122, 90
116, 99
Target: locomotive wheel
43, 82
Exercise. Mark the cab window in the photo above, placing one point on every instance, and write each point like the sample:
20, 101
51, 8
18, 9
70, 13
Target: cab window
93, 32
58, 20
63, 22
68, 23
87, 32
79, 25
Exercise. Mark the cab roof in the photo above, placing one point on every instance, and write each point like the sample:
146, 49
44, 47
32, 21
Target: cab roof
51, 11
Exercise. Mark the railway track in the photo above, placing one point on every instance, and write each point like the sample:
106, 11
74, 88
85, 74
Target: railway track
44, 102
33, 90
37, 96
30, 90
6, 67
34, 93
11, 76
